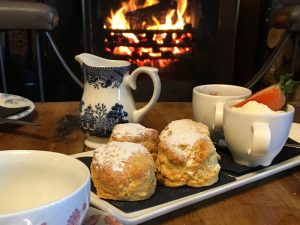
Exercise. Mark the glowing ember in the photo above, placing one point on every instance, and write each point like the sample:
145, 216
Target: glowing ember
144, 47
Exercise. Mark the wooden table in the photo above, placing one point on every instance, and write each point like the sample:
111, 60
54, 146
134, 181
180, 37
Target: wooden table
275, 200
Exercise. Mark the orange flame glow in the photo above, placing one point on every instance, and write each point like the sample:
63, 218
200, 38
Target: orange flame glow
175, 19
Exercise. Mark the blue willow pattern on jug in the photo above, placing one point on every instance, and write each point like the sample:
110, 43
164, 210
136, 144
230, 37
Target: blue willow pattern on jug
104, 77
99, 122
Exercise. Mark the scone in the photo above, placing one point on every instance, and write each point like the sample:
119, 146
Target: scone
136, 133
123, 171
184, 125
186, 157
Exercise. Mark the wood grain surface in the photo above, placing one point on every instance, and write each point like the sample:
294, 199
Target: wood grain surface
275, 200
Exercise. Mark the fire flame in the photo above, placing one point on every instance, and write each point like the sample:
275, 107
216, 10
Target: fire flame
175, 19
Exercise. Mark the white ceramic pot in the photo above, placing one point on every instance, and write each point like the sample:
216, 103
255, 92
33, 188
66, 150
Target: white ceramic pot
256, 138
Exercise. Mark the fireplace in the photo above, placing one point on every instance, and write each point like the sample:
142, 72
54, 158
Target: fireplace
191, 42
155, 33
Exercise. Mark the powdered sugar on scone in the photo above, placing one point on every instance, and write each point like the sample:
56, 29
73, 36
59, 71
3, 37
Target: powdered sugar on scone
115, 154
184, 125
131, 129
182, 143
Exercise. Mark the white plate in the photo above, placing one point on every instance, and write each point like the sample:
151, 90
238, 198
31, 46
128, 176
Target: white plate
142, 215
14, 101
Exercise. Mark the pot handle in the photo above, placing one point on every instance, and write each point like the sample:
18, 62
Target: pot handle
261, 138
218, 120
130, 81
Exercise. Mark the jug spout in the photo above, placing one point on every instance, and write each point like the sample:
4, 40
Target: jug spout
96, 61
88, 59
81, 58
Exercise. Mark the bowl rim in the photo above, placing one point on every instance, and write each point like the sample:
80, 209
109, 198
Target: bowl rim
52, 203
246, 91
228, 107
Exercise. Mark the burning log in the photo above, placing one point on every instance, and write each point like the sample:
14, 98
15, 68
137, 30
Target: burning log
146, 14
148, 38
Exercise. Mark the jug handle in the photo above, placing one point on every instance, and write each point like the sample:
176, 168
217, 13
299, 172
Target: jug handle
131, 82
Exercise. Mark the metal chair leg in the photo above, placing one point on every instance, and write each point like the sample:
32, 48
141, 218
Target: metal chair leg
3, 75
61, 59
39, 65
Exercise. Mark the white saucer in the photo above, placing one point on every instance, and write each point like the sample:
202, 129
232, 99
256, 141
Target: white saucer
14, 101
98, 217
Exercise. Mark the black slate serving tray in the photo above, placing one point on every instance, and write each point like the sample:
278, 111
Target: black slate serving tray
162, 194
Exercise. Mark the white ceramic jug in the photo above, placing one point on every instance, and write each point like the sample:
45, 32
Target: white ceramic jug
107, 98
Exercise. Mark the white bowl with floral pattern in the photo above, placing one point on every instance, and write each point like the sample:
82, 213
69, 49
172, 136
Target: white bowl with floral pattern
42, 188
